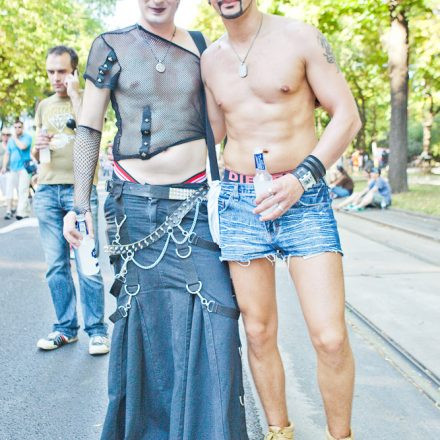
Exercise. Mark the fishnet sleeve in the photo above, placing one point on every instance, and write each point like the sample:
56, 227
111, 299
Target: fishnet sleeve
102, 65
85, 159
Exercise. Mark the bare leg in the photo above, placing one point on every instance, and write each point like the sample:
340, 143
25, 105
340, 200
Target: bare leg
255, 289
320, 285
353, 199
367, 200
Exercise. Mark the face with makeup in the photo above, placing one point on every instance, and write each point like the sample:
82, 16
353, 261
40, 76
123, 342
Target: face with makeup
157, 12
230, 9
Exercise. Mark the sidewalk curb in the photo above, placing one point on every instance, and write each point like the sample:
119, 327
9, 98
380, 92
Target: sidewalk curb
390, 225
414, 214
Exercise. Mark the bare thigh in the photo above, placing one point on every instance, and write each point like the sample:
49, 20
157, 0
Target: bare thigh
255, 290
319, 282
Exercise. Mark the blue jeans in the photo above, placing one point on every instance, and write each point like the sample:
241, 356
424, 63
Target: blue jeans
51, 203
339, 192
307, 228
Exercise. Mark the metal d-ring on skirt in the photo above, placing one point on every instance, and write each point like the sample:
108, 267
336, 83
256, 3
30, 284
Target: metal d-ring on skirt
175, 365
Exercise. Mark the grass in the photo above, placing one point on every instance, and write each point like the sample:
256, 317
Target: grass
421, 198
424, 199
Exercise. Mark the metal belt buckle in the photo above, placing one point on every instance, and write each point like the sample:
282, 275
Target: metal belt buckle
179, 193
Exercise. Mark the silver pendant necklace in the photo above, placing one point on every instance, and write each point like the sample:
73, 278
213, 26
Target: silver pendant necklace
160, 66
243, 69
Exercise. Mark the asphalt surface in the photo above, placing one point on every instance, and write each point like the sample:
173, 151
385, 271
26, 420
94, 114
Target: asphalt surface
414, 224
61, 394
391, 278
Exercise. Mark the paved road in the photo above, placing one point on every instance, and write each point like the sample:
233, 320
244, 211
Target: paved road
387, 406
62, 394
59, 395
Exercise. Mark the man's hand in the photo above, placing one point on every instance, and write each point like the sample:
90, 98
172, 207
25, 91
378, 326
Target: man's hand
43, 141
72, 84
3, 170
285, 192
71, 234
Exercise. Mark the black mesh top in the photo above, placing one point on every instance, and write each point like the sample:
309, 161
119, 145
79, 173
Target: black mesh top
154, 110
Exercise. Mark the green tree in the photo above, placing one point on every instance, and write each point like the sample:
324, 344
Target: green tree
27, 29
208, 21
374, 42
425, 81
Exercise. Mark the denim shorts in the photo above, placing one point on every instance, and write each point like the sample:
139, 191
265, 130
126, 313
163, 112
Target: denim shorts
308, 228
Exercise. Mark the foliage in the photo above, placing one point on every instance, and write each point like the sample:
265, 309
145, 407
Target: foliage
415, 136
208, 21
358, 32
28, 28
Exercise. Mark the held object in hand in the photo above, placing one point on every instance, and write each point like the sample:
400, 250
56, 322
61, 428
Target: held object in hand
86, 251
44, 153
309, 172
263, 179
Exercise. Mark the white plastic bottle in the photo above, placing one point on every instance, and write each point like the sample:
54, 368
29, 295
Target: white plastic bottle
86, 252
44, 152
262, 179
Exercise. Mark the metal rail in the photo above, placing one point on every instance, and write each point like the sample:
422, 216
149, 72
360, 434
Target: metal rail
414, 370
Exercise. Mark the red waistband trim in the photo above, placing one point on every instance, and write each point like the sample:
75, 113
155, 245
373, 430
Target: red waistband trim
122, 174
197, 178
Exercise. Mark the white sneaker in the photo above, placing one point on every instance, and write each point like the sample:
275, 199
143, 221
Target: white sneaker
99, 345
55, 340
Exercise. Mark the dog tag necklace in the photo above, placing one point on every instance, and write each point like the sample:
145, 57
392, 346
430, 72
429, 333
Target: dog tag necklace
243, 69
160, 66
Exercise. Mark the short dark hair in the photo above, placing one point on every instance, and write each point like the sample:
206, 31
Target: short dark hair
59, 50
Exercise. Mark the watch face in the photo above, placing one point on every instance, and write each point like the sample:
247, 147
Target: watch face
305, 177
307, 180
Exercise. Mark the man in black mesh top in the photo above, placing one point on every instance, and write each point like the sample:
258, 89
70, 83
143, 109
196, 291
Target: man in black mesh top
175, 365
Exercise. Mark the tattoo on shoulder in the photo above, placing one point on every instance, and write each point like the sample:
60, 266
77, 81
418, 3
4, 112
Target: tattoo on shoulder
328, 53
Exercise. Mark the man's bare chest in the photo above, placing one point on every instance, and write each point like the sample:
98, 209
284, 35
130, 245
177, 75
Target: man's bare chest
271, 78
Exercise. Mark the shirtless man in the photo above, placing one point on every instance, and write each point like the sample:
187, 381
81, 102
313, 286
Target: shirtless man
263, 78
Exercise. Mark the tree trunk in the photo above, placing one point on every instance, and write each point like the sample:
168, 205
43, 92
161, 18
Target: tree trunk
398, 62
360, 143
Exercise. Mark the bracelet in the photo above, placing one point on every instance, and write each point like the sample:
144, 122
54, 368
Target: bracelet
309, 172
80, 211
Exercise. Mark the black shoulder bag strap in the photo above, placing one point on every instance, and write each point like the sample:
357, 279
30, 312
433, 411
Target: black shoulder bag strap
200, 42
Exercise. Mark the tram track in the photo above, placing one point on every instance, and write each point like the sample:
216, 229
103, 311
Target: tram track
414, 370
413, 245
